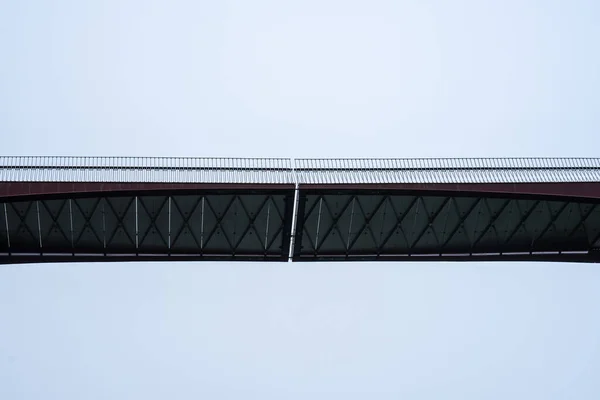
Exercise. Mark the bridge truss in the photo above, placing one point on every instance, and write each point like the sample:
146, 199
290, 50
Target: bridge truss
61, 209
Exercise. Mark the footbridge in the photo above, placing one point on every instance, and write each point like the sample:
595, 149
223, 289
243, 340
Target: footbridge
84, 209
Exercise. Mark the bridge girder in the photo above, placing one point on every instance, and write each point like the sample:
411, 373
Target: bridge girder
332, 224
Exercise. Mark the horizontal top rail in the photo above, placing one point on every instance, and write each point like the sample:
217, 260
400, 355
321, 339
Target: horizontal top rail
146, 162
302, 171
444, 163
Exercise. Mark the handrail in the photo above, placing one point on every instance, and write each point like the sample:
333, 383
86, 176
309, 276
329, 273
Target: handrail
297, 171
300, 163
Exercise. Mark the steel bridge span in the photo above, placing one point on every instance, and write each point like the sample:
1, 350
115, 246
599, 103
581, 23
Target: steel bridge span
83, 209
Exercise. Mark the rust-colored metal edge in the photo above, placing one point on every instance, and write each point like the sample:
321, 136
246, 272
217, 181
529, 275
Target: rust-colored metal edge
566, 189
18, 189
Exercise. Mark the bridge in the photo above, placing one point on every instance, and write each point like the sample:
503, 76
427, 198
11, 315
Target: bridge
85, 209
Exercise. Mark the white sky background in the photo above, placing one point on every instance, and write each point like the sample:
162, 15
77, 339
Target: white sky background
306, 79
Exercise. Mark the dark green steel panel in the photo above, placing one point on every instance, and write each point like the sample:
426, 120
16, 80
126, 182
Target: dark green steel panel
23, 226
55, 223
119, 216
3, 233
89, 232
153, 223
345, 225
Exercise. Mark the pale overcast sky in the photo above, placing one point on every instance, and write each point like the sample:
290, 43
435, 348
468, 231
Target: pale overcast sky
325, 78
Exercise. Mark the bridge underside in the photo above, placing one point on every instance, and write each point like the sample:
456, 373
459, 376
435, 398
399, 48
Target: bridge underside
380, 225
211, 225
331, 225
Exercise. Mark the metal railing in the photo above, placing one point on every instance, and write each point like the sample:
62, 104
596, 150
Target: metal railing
447, 170
147, 162
444, 163
302, 171
146, 169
